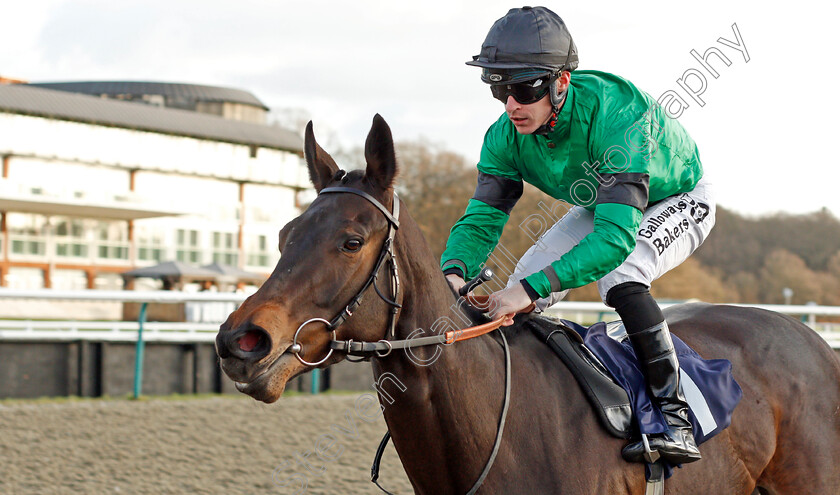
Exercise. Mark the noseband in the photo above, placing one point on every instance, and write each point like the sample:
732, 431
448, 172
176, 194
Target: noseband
383, 347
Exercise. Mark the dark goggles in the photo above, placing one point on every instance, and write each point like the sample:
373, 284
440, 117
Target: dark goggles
525, 92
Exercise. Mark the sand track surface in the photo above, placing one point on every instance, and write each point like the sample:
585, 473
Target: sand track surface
217, 445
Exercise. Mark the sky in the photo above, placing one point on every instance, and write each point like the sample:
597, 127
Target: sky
765, 127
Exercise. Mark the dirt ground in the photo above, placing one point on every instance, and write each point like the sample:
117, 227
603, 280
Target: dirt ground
192, 446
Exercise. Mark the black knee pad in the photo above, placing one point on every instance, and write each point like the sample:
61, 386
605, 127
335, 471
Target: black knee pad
636, 307
622, 291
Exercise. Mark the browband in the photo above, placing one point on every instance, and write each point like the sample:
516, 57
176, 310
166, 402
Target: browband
391, 218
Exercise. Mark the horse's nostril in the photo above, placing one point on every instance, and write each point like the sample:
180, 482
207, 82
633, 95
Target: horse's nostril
251, 343
250, 340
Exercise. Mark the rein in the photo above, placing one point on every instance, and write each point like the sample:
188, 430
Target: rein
377, 459
383, 347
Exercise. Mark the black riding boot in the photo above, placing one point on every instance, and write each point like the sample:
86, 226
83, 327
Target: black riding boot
651, 340
658, 361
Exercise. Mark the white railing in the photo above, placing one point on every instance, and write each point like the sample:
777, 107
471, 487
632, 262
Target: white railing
106, 331
116, 331
590, 312
126, 331
151, 296
788, 309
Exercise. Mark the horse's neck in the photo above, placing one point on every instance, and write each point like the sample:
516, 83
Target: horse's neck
436, 398
429, 307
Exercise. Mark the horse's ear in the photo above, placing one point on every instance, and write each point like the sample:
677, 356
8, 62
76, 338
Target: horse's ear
379, 154
322, 167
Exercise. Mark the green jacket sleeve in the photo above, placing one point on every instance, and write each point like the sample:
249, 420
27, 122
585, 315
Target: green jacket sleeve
473, 238
600, 252
476, 233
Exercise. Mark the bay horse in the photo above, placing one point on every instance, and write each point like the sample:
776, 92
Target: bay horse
442, 403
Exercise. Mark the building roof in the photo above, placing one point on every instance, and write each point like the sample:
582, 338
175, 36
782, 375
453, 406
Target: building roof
234, 273
191, 92
61, 105
172, 269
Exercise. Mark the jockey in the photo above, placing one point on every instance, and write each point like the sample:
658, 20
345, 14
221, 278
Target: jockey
632, 175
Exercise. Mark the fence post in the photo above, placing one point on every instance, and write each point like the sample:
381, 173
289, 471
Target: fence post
138, 355
316, 379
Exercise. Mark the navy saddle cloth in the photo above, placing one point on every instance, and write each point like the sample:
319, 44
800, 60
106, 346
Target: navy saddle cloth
605, 365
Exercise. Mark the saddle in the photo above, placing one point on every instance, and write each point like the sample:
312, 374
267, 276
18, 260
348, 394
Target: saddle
609, 400
604, 364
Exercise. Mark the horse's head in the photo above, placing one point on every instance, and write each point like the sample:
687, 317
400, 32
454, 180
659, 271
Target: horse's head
327, 255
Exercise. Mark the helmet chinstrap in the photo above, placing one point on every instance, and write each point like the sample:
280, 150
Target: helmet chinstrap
557, 101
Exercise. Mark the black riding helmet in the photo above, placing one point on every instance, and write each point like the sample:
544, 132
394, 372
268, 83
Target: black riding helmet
528, 38
527, 44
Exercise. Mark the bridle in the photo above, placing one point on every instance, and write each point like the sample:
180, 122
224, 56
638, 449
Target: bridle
383, 347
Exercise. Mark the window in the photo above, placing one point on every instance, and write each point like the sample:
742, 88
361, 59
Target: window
28, 247
27, 234
112, 241
225, 250
258, 252
188, 246
150, 254
150, 246
70, 238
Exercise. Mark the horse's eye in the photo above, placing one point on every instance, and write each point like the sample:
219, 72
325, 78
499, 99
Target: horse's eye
352, 245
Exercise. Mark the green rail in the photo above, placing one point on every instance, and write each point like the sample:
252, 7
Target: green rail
138, 354
316, 381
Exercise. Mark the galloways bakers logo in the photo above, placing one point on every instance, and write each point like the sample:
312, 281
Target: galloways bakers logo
699, 211
664, 229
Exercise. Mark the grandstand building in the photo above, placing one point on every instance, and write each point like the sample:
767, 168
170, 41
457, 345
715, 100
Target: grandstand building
99, 178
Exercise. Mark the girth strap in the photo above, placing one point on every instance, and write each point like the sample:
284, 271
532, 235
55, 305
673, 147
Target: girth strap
655, 485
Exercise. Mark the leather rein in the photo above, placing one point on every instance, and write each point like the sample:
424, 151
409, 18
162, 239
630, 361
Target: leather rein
383, 347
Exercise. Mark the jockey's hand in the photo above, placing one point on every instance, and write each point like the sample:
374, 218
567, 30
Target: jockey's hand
507, 302
455, 281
